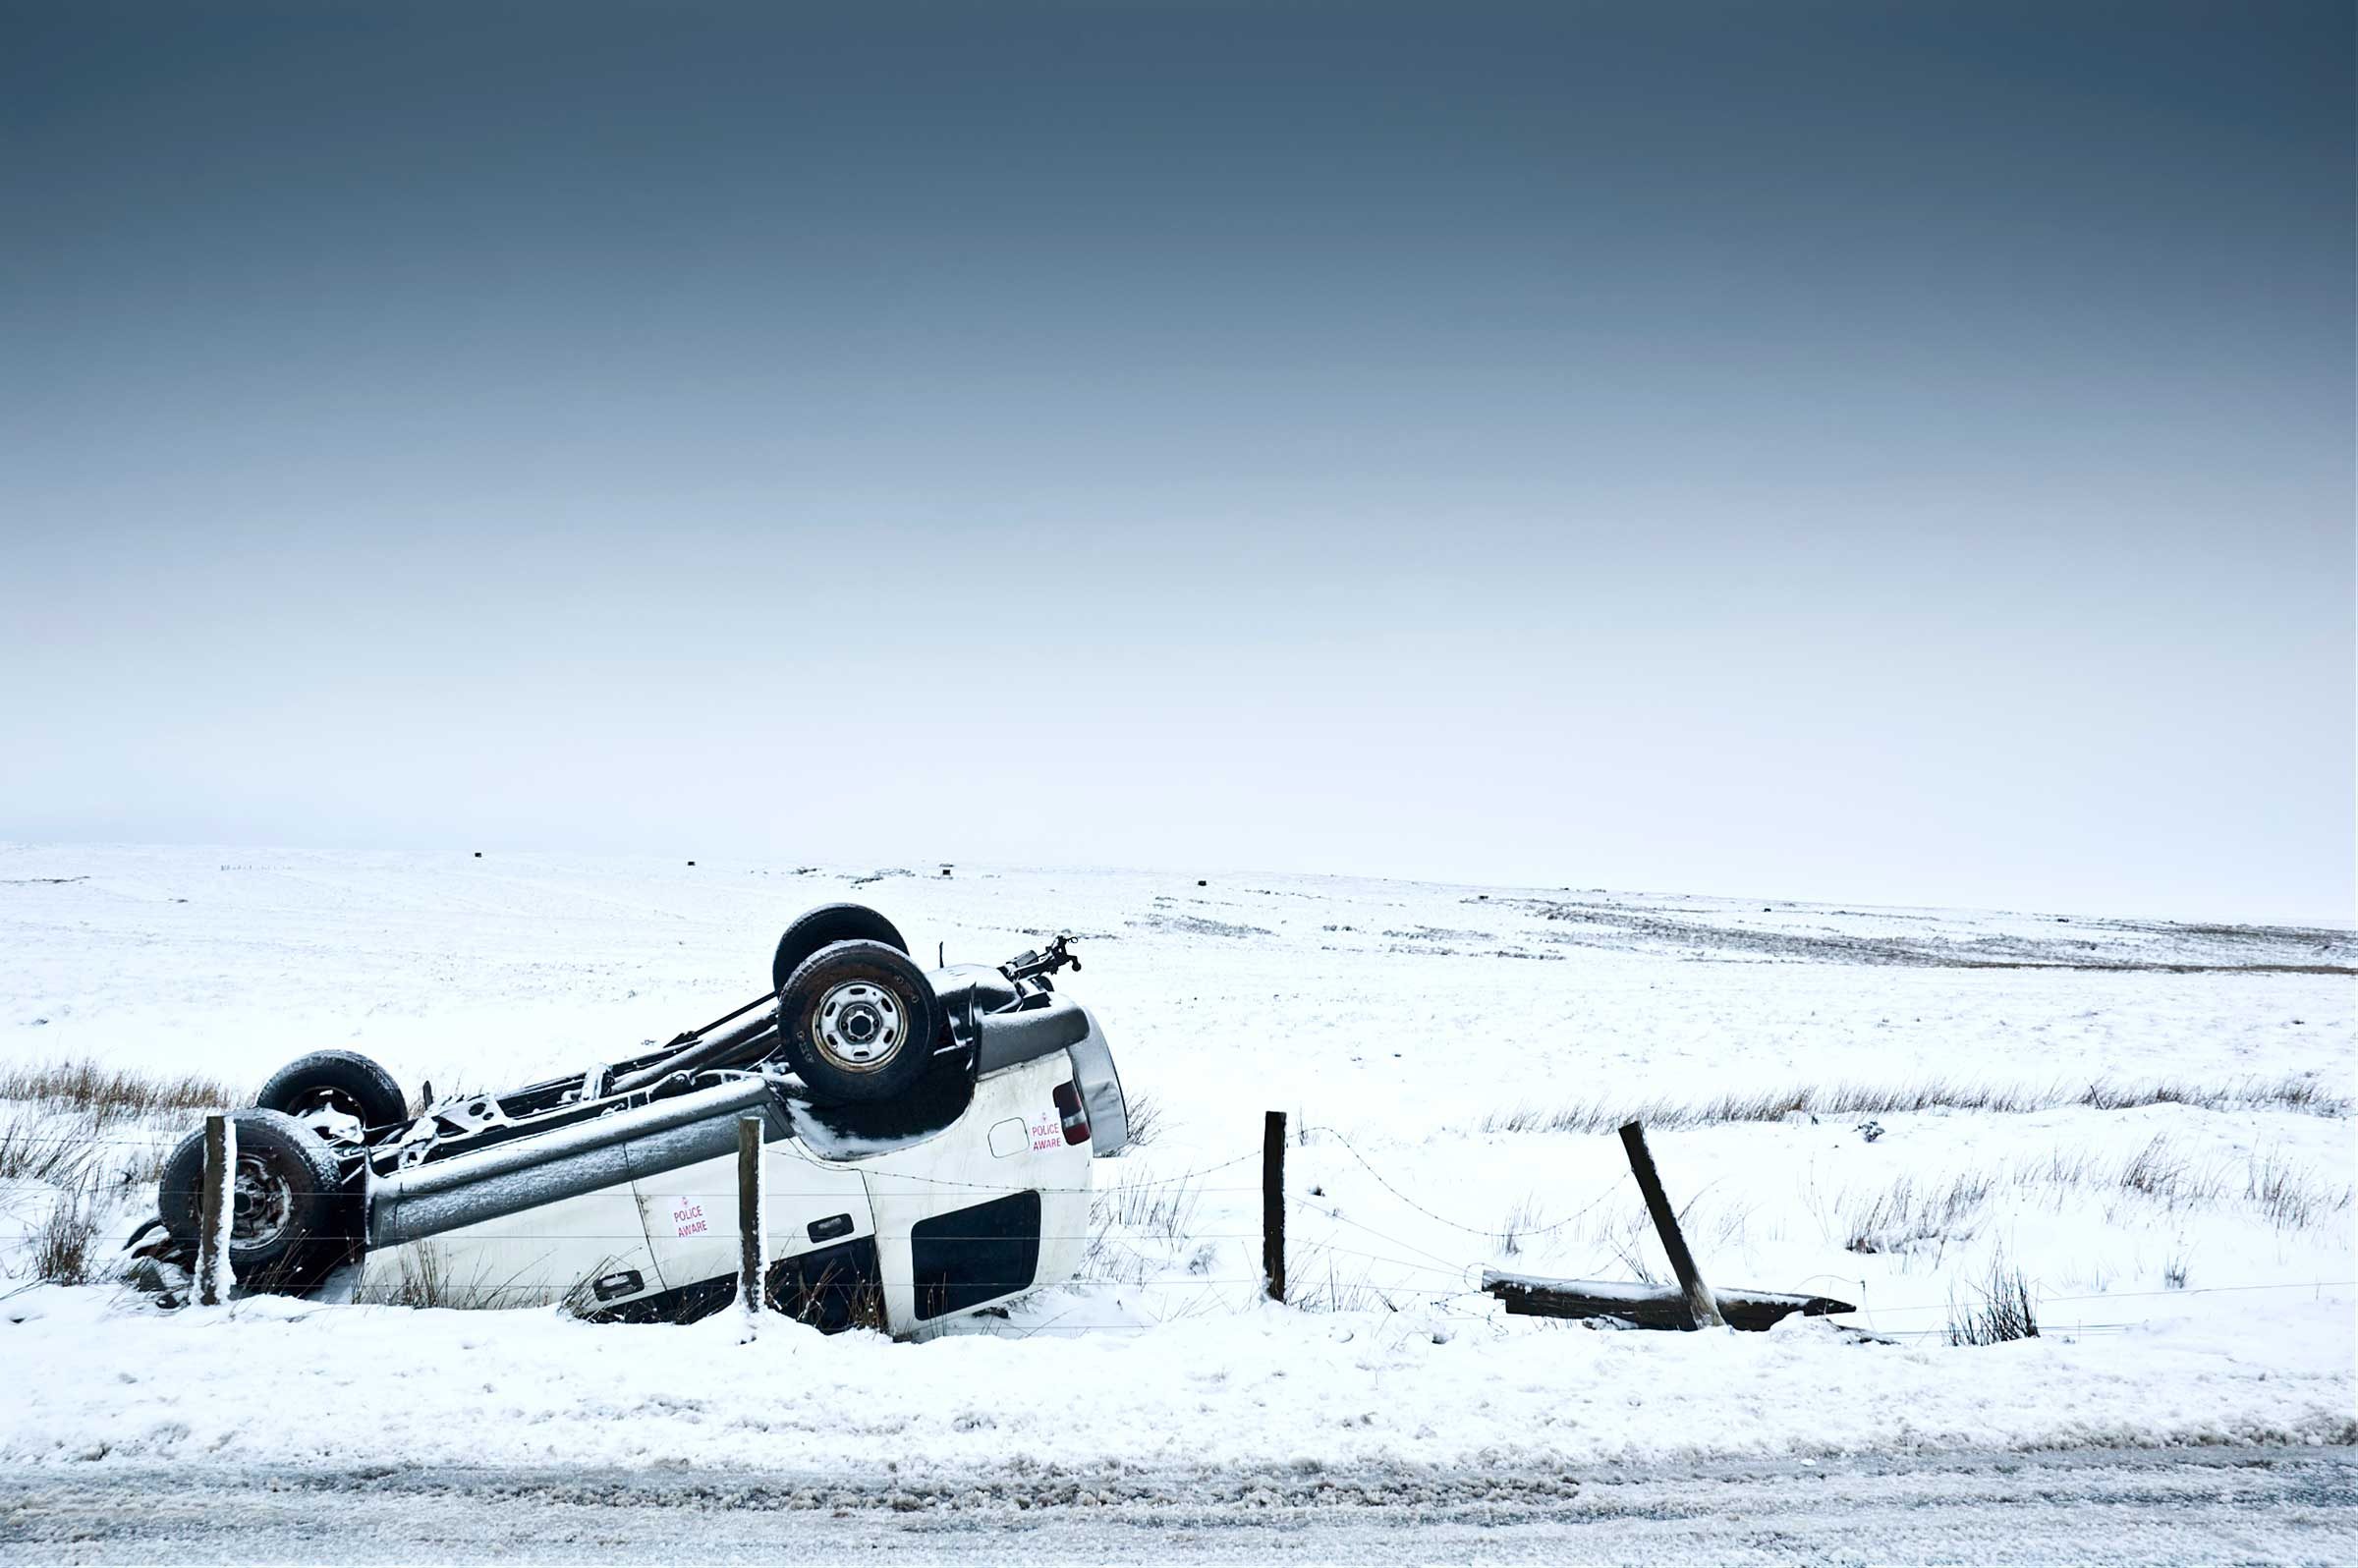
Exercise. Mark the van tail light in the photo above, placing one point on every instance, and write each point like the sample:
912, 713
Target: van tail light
1076, 1119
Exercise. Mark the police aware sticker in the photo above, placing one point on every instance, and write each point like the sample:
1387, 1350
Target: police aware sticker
688, 1217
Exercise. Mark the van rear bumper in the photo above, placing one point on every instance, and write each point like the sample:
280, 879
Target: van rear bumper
1100, 1090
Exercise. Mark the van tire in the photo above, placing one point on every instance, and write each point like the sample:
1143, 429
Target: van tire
345, 1081
299, 1220
830, 923
859, 1021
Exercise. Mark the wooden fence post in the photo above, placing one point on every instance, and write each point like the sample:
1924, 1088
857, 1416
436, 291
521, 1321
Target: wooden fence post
1272, 1203
1700, 1304
752, 1235
215, 1211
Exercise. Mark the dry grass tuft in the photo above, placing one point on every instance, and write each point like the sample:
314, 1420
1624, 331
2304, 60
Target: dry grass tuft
1628, 1240
109, 1092
1158, 1213
1910, 1215
33, 1147
65, 1147
2004, 1311
2288, 1198
1311, 1284
62, 1247
426, 1279
1522, 1220
1146, 1121
1903, 1217
1162, 1208
859, 1298
2294, 1093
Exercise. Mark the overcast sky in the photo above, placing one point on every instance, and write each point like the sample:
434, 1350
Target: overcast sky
1884, 452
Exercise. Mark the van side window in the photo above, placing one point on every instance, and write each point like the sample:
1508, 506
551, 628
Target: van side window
970, 1255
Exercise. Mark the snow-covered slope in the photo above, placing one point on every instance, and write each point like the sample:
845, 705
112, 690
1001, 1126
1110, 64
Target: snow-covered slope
2151, 1121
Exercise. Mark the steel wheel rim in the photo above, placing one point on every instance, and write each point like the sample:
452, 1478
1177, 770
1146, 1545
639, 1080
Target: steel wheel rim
333, 1114
858, 1026
342, 1103
262, 1203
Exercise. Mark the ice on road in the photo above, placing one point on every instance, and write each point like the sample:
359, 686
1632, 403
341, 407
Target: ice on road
2218, 1505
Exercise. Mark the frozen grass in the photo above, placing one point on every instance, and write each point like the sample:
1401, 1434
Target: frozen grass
426, 1278
82, 1198
1139, 1228
1906, 1216
2004, 1310
2290, 1197
62, 1248
109, 1093
1912, 1215
1923, 1220
1161, 1208
83, 1133
35, 1147
808, 1305
1627, 1238
1146, 1121
1521, 1221
68, 1148
2297, 1093
1313, 1283
422, 1282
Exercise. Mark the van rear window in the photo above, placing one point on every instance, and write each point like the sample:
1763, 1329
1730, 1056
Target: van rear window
970, 1255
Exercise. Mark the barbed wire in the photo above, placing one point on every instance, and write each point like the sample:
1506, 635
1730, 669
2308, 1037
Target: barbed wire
1340, 1217
1124, 1185
2135, 1295
1398, 1263
1471, 1230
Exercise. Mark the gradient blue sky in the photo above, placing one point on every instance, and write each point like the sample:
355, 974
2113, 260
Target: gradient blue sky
1875, 452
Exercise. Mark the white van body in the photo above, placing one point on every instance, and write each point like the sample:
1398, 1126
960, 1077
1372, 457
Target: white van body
901, 1233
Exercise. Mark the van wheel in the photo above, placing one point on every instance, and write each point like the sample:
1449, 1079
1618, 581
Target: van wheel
825, 924
289, 1218
859, 1021
344, 1082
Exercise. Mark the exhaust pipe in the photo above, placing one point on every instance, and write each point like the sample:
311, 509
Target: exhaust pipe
713, 1047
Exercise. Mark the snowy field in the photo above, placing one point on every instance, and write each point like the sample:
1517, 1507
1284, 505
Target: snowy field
2150, 1121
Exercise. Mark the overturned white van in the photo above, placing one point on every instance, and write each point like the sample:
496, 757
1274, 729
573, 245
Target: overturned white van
927, 1145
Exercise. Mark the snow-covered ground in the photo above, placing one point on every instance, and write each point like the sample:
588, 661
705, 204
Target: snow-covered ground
2151, 1121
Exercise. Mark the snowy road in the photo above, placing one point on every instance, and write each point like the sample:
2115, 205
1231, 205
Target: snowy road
2281, 1505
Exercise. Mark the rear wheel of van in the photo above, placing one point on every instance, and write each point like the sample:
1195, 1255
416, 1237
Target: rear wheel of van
829, 924
859, 1021
289, 1218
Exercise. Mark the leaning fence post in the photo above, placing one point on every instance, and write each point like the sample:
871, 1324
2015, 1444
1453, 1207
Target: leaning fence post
1272, 1203
753, 1236
215, 1211
1700, 1306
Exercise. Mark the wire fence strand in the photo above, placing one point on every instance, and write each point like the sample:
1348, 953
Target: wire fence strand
1454, 1224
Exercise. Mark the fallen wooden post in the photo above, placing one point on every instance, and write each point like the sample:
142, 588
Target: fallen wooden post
1648, 1306
1703, 1312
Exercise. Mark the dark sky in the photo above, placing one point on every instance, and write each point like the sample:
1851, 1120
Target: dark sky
1891, 452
